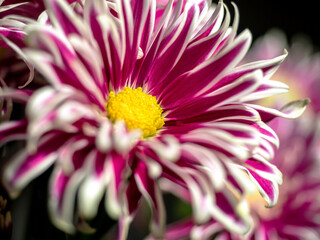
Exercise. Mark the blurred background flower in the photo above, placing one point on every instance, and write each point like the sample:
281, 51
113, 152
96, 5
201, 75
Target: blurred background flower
297, 213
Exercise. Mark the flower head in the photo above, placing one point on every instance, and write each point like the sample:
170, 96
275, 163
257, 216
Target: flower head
145, 97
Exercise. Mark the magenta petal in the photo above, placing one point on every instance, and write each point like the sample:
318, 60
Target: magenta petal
212, 22
187, 228
64, 67
106, 32
151, 192
291, 110
29, 9
144, 66
63, 189
133, 19
13, 130
14, 35
144, 44
95, 9
258, 165
58, 188
267, 133
133, 196
119, 166
25, 167
179, 230
268, 189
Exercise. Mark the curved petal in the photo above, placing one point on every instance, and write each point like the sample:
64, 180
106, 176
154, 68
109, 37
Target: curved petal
291, 110
13, 130
24, 167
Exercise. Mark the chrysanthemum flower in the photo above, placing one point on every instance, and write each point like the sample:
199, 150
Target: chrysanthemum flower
143, 97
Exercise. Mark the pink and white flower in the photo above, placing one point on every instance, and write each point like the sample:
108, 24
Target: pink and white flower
107, 63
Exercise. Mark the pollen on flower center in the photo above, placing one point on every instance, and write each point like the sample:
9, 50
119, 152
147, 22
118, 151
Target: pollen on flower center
138, 109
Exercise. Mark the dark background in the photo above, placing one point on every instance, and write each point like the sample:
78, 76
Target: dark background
293, 17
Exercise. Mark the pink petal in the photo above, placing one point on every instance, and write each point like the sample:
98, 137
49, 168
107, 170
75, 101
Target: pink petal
25, 167
268, 189
13, 130
291, 110
151, 192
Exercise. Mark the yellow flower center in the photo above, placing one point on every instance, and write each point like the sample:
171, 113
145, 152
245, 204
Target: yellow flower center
138, 109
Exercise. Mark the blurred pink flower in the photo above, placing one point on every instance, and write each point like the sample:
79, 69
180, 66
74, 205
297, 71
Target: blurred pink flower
296, 215
300, 71
145, 97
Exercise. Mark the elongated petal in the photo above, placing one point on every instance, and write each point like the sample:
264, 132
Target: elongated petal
62, 198
13, 130
268, 189
151, 192
291, 110
93, 188
24, 167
